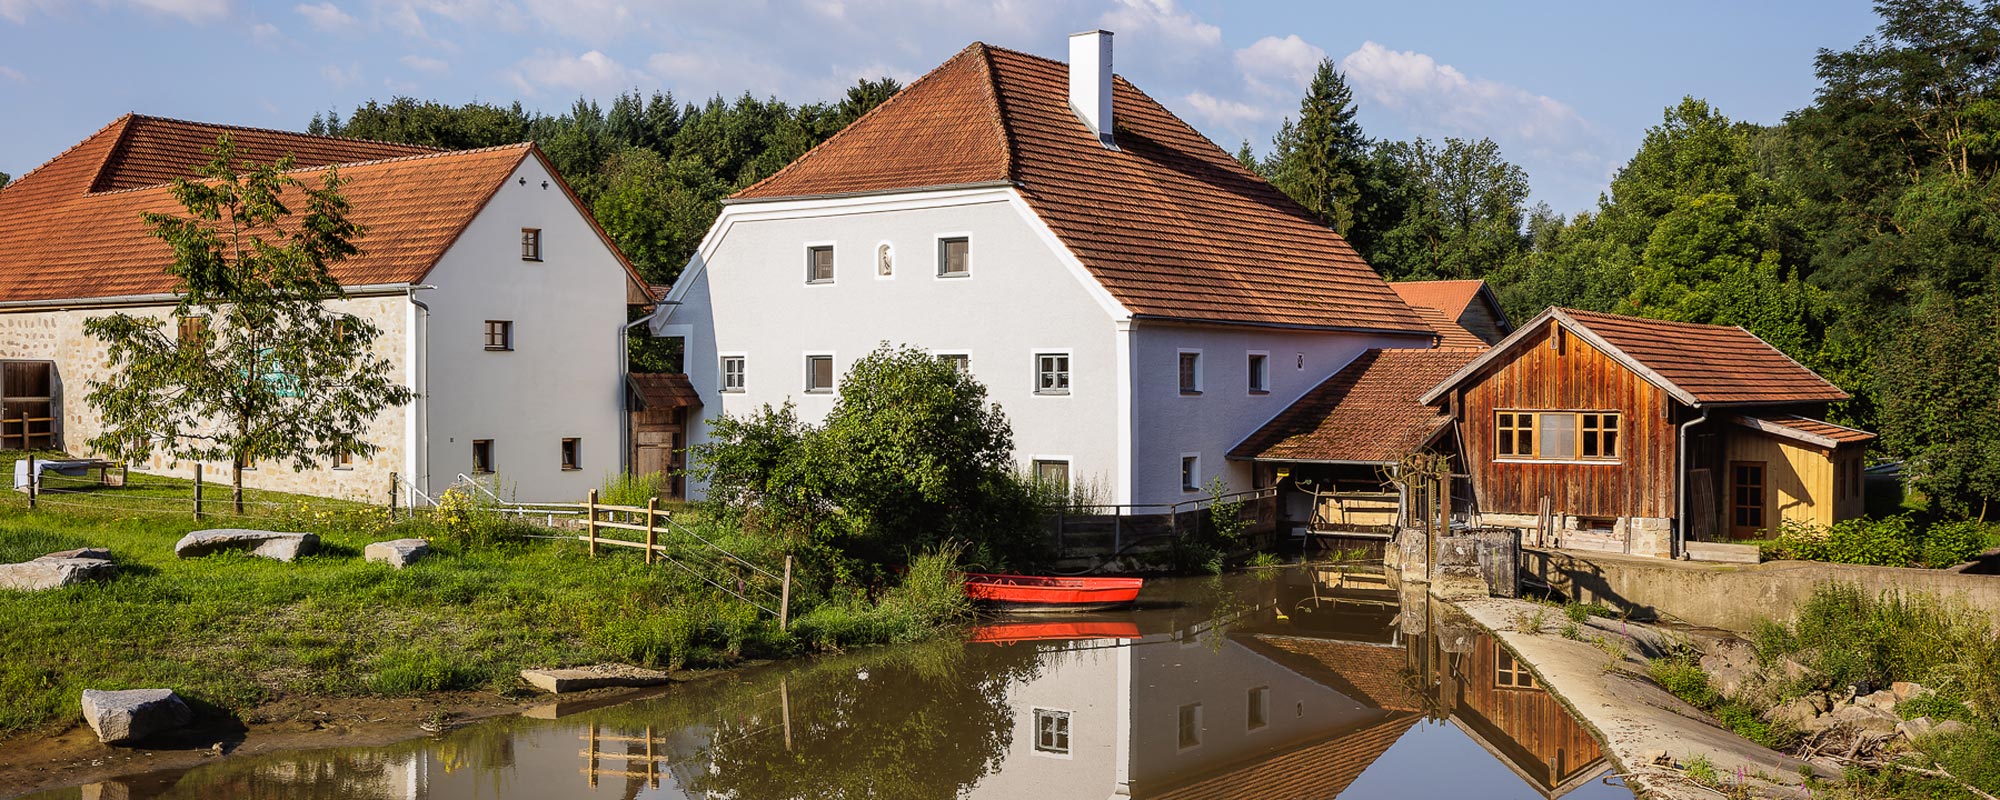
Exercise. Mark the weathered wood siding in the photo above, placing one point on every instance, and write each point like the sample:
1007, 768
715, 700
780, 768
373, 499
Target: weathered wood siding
1552, 745
1536, 377
1482, 321
1799, 480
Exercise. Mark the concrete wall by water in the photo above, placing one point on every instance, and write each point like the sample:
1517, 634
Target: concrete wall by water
1736, 597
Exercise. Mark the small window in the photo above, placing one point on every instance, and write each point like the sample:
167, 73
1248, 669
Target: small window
531, 244
1190, 473
1190, 725
1259, 713
954, 257
499, 334
819, 373
819, 264
482, 456
1260, 373
343, 460
572, 454
885, 261
1509, 673
1190, 373
1052, 731
1052, 373
1514, 434
732, 373
1597, 435
959, 362
188, 330
1052, 472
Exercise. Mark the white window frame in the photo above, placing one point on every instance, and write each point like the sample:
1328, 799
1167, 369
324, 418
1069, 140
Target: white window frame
722, 372
937, 256
1185, 485
1249, 358
1035, 371
807, 252
957, 353
1069, 468
1259, 698
1035, 732
805, 380
1185, 391
875, 256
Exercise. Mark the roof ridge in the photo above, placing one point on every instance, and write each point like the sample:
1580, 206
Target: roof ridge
126, 117
253, 129
999, 109
368, 163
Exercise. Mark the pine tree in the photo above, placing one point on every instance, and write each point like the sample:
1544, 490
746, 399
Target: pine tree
1321, 160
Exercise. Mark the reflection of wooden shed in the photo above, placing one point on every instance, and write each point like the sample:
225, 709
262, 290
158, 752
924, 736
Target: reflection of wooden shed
29, 406
1504, 709
659, 403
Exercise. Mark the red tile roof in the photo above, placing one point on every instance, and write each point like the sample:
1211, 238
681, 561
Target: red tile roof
1811, 431
71, 229
1368, 412
1170, 224
1316, 771
1698, 364
1441, 303
658, 391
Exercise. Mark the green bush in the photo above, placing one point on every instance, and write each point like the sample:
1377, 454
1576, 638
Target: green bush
1681, 675
1951, 543
1845, 636
1885, 542
1893, 541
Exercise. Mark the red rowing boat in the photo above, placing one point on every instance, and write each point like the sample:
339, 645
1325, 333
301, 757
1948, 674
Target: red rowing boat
1035, 593
1011, 632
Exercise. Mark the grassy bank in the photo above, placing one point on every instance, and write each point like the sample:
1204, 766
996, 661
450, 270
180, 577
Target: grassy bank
235, 632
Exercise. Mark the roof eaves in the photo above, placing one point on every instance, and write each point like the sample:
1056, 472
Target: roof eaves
1426, 333
1795, 362
1773, 428
942, 187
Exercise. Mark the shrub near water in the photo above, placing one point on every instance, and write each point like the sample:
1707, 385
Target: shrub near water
1896, 541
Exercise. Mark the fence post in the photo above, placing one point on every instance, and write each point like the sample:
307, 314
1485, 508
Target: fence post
590, 521
392, 496
652, 508
785, 598
197, 492
34, 478
27, 444
1117, 528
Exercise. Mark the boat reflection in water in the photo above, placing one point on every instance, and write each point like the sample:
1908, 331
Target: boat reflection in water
1299, 683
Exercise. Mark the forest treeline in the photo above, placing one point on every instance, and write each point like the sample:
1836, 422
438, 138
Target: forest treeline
1861, 235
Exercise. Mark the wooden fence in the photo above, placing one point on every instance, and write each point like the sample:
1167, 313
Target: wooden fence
704, 559
1115, 529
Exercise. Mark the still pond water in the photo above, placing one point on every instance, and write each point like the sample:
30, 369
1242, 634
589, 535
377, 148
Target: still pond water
1301, 683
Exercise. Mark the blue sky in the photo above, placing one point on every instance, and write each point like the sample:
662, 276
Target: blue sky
1567, 89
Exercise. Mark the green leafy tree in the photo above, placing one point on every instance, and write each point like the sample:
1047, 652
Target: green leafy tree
862, 98
1463, 209
273, 373
5, 179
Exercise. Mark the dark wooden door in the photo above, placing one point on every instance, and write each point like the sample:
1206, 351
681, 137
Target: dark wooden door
1747, 501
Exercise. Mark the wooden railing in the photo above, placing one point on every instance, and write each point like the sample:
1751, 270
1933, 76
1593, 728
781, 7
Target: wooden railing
1132, 524
752, 582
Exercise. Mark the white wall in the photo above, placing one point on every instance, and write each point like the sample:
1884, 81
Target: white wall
1168, 424
746, 293
1083, 682
563, 377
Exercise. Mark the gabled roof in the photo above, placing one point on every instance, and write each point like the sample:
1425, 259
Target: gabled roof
1367, 413
658, 391
1818, 433
1699, 365
1168, 223
72, 228
1443, 303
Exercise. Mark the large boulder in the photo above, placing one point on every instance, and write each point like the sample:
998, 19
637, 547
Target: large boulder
1863, 718
58, 569
133, 714
398, 553
1799, 712
269, 544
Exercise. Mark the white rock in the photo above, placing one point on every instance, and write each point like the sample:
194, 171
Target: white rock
58, 569
269, 544
123, 716
398, 553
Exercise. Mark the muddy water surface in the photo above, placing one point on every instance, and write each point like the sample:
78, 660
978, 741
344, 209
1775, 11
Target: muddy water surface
1300, 683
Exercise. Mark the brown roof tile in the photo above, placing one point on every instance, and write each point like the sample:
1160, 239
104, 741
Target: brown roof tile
659, 390
1313, 772
1811, 431
1441, 303
1368, 412
1713, 363
1170, 224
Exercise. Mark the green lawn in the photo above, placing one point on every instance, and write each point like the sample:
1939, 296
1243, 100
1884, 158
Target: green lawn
234, 631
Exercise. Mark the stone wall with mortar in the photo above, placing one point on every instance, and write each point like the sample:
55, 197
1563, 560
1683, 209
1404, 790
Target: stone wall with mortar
1736, 596
58, 335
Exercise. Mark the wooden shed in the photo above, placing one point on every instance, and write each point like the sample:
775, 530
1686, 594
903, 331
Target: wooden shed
659, 404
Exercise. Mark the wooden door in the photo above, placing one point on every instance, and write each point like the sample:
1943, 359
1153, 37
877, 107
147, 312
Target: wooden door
1747, 506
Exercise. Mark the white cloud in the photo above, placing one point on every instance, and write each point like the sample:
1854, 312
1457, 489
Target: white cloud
341, 77
592, 72
1164, 19
325, 16
190, 10
12, 74
17, 11
1226, 113
266, 34
1283, 65
1416, 85
425, 64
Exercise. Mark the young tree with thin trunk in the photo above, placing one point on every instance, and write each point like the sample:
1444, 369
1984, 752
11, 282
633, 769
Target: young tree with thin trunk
256, 366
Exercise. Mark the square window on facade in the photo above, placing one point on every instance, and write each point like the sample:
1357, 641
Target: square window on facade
531, 244
732, 373
482, 456
819, 264
572, 454
819, 373
1259, 713
343, 460
1509, 673
188, 330
1052, 373
954, 257
1190, 369
1052, 472
959, 362
1052, 731
1190, 473
1260, 373
499, 334
1190, 725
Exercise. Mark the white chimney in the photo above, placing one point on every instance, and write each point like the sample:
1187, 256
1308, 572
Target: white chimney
1090, 82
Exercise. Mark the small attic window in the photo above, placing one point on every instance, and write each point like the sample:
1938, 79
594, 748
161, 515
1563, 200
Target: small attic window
531, 244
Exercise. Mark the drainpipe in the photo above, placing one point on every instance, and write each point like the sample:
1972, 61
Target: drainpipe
421, 446
1680, 491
